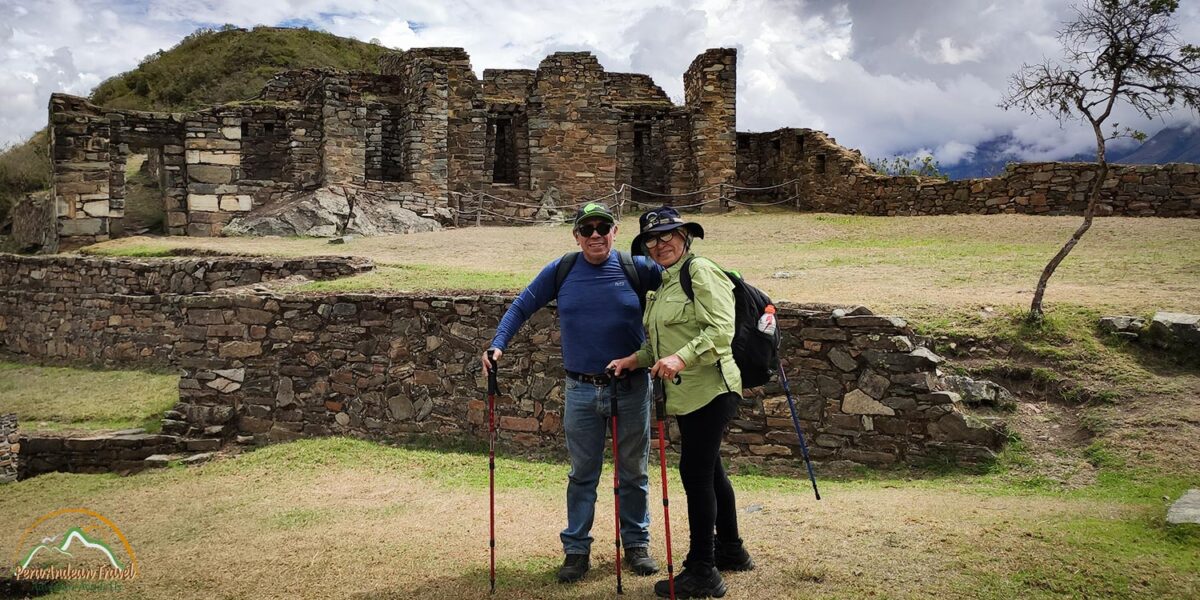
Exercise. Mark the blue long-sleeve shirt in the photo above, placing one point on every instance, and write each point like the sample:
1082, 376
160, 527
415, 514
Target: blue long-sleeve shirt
598, 311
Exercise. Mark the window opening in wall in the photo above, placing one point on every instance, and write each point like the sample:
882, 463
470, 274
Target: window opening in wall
648, 170
820, 168
800, 145
504, 169
263, 148
743, 143
775, 144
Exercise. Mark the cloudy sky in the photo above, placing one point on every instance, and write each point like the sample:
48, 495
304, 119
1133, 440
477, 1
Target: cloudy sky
883, 76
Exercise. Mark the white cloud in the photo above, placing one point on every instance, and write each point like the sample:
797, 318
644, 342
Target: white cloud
883, 76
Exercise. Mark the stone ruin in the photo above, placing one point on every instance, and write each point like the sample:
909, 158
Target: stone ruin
416, 136
260, 362
426, 140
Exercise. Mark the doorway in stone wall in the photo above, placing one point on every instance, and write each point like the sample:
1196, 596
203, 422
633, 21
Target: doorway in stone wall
145, 203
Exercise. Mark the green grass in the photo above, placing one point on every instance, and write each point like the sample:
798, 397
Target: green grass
63, 398
991, 538
421, 278
147, 250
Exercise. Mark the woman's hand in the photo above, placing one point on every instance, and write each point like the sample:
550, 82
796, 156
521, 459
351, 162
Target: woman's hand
668, 367
621, 365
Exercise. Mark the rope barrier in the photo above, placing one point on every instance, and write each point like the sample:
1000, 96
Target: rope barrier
480, 210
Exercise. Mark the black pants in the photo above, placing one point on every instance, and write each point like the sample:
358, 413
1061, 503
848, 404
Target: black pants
710, 501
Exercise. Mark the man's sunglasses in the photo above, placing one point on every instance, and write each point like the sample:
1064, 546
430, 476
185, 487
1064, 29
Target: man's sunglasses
662, 237
587, 230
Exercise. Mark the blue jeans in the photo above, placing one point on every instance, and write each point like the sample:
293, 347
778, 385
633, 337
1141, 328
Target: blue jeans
586, 423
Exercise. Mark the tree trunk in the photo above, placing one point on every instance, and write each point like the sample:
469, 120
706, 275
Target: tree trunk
1036, 313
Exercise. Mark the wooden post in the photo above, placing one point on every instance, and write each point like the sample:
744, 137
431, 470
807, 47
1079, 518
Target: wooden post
479, 208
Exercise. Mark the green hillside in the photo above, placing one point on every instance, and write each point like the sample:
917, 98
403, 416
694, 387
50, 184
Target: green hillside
214, 66
210, 66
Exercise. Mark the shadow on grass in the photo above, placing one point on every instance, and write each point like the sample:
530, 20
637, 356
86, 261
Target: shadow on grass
533, 579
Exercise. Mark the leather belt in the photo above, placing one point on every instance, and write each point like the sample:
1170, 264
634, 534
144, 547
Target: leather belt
599, 378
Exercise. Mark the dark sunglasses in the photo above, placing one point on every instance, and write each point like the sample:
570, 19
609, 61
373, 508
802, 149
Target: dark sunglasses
662, 237
602, 229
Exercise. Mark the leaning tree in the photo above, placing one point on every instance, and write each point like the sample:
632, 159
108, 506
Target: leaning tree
1113, 51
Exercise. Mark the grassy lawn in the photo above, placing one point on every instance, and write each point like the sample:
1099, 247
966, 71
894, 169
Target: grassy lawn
68, 399
345, 518
912, 265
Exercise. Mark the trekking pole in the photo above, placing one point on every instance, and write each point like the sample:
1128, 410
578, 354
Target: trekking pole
493, 389
796, 421
660, 413
612, 378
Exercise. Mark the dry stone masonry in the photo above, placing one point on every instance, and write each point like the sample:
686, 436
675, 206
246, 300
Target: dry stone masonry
517, 145
260, 365
10, 448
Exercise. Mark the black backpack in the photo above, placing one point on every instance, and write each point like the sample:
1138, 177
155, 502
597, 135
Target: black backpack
756, 353
567, 262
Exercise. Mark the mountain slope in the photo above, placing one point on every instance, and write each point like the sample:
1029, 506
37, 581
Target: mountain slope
1171, 145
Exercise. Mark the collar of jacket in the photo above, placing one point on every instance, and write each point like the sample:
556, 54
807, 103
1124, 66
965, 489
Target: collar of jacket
673, 270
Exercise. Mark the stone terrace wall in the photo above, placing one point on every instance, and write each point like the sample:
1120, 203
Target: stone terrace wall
835, 179
390, 367
10, 448
123, 312
132, 276
275, 367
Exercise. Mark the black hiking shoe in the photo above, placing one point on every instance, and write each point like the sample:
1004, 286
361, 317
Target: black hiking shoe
732, 556
693, 582
574, 567
639, 561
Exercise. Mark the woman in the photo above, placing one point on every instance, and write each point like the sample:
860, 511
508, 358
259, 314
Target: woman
688, 346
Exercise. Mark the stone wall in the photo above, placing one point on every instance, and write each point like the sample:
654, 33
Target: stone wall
133, 276
389, 367
10, 448
268, 366
831, 178
710, 90
121, 451
123, 312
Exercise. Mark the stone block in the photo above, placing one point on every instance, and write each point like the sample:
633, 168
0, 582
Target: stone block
203, 203
96, 208
71, 227
859, 403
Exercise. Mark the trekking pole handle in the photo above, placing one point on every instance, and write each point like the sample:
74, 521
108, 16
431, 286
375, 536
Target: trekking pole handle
493, 385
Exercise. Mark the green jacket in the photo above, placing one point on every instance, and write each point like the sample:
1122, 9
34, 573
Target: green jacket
700, 332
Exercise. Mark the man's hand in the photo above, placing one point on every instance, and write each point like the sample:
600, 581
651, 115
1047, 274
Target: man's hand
620, 365
668, 367
487, 365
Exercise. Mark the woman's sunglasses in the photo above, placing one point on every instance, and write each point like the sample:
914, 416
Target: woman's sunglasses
587, 230
662, 237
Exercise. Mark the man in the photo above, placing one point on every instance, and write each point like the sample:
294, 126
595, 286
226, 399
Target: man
600, 316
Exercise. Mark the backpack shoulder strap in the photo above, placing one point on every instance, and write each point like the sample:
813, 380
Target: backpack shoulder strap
631, 273
564, 267
685, 278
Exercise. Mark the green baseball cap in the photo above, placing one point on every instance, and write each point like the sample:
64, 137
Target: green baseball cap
593, 210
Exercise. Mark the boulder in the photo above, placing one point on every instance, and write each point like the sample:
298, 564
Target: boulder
1174, 330
1186, 509
335, 211
980, 392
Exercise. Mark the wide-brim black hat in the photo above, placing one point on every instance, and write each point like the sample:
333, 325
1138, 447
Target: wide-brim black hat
658, 220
